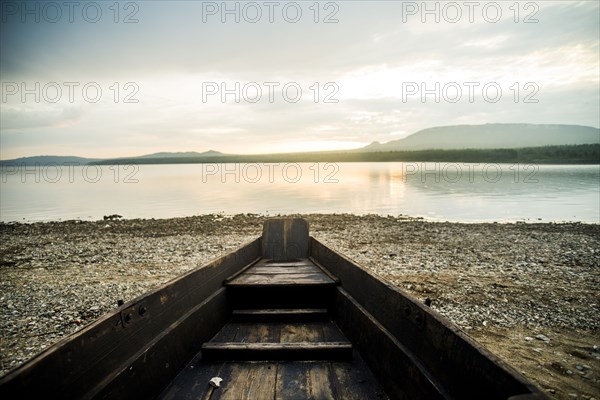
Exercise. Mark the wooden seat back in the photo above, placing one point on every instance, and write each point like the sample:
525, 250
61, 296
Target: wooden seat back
285, 239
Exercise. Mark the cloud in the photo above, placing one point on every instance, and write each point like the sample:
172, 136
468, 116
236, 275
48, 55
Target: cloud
369, 53
19, 118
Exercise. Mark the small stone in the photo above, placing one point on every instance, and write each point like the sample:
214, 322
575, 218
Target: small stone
569, 372
528, 338
542, 337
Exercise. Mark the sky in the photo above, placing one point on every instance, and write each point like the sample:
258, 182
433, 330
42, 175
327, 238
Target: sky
106, 79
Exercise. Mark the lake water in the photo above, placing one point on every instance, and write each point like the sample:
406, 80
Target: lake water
440, 191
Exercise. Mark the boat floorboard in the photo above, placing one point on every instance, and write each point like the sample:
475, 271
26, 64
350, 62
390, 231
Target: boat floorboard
277, 353
281, 273
269, 332
276, 380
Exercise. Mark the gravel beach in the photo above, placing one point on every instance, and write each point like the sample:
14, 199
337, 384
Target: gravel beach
527, 292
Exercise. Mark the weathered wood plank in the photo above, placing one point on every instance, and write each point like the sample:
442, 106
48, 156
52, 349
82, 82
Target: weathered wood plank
319, 382
351, 380
327, 380
307, 332
281, 279
271, 332
247, 381
258, 333
284, 264
285, 239
277, 351
305, 269
292, 381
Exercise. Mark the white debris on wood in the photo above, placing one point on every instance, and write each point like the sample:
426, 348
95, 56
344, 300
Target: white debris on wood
215, 382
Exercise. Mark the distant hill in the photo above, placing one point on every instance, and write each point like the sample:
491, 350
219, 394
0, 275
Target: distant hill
183, 154
491, 136
49, 160
167, 158
565, 154
468, 143
66, 160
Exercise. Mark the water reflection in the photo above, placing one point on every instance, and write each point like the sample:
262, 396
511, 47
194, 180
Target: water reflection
448, 191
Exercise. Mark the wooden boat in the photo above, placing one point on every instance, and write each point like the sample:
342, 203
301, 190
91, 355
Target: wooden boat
283, 317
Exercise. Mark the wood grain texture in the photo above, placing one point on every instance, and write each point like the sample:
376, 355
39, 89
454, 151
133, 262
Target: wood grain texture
283, 380
285, 239
278, 332
304, 272
236, 351
245, 381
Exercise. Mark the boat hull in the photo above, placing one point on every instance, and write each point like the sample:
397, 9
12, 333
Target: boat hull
149, 347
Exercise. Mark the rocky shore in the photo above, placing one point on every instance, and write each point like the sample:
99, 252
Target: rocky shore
527, 292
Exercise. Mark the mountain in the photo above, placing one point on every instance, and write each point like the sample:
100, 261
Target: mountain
72, 160
491, 136
544, 143
49, 160
183, 154
167, 158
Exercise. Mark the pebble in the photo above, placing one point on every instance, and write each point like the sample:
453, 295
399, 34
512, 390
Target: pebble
542, 337
64, 275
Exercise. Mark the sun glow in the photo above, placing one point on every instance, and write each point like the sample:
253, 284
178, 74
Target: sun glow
303, 146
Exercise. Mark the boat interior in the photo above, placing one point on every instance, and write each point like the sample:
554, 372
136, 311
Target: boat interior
282, 317
280, 343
